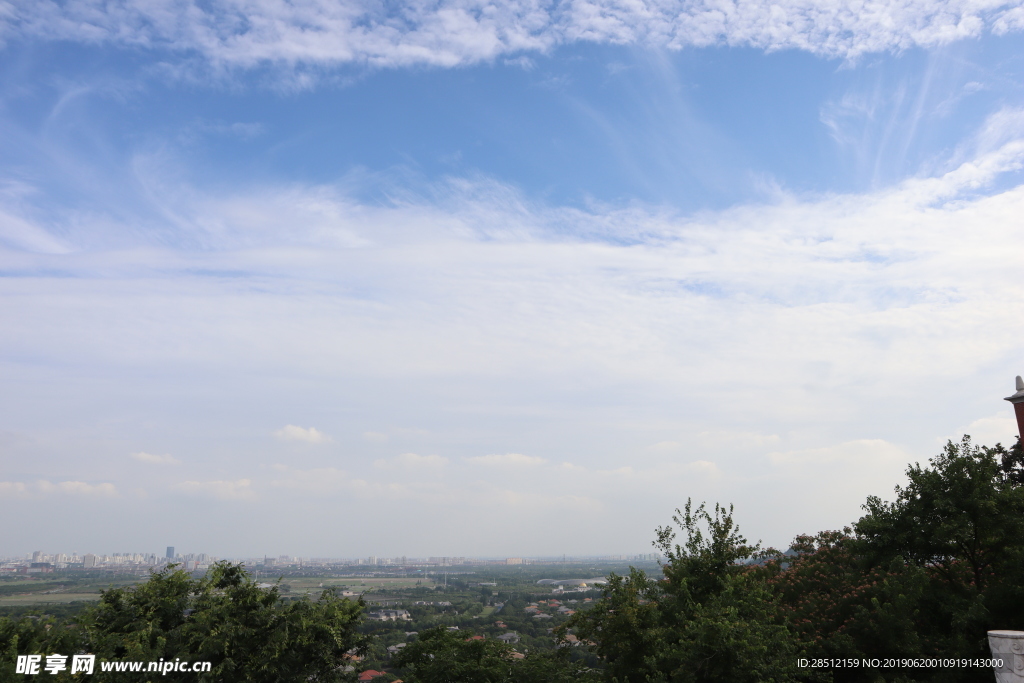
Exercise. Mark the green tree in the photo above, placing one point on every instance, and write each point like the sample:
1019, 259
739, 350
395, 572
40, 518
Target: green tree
439, 655
925, 575
842, 607
552, 667
35, 635
960, 523
710, 618
246, 631
961, 518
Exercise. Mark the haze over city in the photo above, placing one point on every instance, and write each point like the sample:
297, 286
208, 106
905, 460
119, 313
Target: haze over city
495, 280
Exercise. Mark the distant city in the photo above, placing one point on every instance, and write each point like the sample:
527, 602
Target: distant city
43, 563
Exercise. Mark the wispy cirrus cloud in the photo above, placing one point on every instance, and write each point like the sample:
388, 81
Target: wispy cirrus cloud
318, 33
845, 280
763, 321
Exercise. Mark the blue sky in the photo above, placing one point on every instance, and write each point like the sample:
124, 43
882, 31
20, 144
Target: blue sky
495, 279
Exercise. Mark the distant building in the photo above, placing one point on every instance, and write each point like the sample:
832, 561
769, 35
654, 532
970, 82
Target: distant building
513, 560
89, 560
389, 615
170, 552
510, 638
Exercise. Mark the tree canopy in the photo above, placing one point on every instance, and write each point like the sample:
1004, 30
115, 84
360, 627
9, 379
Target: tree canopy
246, 631
924, 575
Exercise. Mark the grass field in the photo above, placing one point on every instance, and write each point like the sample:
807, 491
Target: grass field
302, 586
46, 599
25, 592
30, 592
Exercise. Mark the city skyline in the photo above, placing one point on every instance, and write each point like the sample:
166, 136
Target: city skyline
41, 561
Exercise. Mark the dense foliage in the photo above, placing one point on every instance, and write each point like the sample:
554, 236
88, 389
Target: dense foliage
244, 630
924, 575
443, 655
709, 618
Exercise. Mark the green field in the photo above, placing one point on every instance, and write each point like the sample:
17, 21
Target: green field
26, 592
58, 590
305, 585
47, 599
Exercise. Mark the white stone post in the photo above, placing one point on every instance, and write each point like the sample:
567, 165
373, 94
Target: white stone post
1009, 647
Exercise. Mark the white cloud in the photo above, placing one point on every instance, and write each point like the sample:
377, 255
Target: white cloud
322, 481
507, 460
13, 489
151, 458
662, 474
23, 234
317, 33
762, 328
988, 431
734, 439
412, 461
703, 467
827, 485
16, 489
738, 439
240, 489
867, 453
294, 433
77, 488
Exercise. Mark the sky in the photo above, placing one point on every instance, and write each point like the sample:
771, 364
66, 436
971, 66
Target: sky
340, 278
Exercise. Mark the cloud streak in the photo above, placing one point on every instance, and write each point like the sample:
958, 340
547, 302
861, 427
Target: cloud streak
44, 487
153, 459
412, 461
295, 433
240, 489
807, 328
486, 281
506, 460
318, 33
321, 481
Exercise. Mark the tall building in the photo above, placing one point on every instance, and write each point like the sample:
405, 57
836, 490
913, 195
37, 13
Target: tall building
170, 552
89, 560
